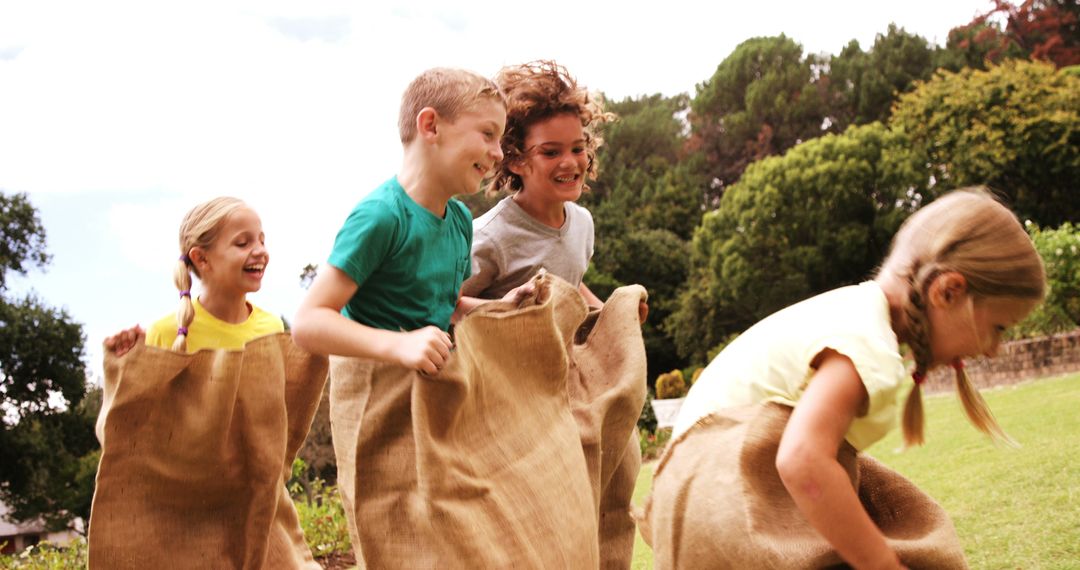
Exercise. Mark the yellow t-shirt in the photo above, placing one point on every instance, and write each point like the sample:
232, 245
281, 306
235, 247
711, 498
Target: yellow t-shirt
770, 362
208, 331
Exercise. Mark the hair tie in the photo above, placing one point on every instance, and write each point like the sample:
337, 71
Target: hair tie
185, 293
185, 258
958, 365
919, 377
181, 331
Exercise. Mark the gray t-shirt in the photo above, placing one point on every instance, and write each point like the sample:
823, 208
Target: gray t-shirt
510, 246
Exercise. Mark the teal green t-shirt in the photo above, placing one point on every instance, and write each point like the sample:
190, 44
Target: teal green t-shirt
408, 263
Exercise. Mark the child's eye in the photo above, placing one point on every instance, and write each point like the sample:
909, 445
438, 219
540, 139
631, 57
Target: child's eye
551, 153
578, 150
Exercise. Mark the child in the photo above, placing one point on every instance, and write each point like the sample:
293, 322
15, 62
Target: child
397, 264
549, 150
222, 242
960, 272
239, 414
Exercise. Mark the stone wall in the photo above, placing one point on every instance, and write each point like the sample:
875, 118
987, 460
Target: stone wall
1016, 361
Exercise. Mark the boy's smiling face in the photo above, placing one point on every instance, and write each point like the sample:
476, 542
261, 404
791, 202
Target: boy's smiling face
469, 148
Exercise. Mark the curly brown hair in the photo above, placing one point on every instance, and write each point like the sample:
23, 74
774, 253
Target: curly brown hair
535, 92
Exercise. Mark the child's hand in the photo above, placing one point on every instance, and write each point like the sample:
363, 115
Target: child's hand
425, 349
519, 293
643, 311
120, 343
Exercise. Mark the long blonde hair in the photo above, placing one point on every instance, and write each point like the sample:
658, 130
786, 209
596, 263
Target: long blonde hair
970, 232
199, 229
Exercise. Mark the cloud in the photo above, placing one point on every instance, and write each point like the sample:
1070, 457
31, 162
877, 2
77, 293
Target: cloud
331, 29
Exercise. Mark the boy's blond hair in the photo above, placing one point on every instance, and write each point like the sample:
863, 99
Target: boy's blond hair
970, 232
448, 91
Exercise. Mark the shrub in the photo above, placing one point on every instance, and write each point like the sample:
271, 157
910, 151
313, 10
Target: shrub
322, 516
670, 385
653, 442
46, 556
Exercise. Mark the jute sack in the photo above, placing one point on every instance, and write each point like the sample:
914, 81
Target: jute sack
718, 502
516, 455
196, 449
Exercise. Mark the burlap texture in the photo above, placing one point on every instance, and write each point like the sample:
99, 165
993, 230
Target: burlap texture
718, 502
516, 455
196, 449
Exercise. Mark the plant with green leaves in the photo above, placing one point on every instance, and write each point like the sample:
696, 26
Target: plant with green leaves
1060, 251
1014, 128
670, 385
821, 216
322, 515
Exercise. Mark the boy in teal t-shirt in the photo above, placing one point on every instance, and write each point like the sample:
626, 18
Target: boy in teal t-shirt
409, 263
396, 269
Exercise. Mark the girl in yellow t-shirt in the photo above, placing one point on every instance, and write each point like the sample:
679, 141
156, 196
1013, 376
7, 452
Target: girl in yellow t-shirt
222, 243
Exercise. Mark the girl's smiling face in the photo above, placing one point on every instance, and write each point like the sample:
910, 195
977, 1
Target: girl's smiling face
556, 160
236, 260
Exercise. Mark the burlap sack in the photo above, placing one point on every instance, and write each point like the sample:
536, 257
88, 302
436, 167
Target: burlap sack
516, 455
718, 502
196, 450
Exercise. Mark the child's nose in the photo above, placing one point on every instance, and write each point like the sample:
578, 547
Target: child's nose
496, 152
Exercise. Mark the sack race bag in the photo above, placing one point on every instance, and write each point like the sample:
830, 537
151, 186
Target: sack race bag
195, 453
520, 453
718, 502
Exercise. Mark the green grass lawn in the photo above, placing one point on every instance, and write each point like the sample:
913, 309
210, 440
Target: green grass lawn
1013, 508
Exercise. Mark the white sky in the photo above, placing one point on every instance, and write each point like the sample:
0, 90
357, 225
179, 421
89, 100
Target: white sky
117, 117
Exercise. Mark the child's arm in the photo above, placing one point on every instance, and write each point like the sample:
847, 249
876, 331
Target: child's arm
320, 328
591, 300
808, 467
466, 304
120, 343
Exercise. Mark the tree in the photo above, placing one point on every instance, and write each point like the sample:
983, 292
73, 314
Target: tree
48, 453
863, 86
1014, 128
646, 203
762, 100
819, 217
1047, 30
22, 237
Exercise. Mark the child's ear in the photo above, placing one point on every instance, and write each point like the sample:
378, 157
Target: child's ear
948, 288
517, 166
427, 123
197, 255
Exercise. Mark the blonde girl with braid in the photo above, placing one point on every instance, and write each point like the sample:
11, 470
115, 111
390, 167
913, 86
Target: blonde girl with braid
223, 244
961, 271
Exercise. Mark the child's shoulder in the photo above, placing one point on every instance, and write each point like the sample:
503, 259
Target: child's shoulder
162, 332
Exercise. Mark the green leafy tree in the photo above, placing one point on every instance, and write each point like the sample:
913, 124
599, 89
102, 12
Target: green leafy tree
864, 85
646, 203
762, 100
1014, 128
819, 217
48, 453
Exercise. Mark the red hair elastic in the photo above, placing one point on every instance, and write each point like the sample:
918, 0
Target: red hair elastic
919, 377
958, 365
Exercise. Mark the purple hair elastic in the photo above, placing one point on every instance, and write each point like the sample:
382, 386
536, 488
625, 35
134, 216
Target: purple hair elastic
184, 258
185, 293
181, 331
